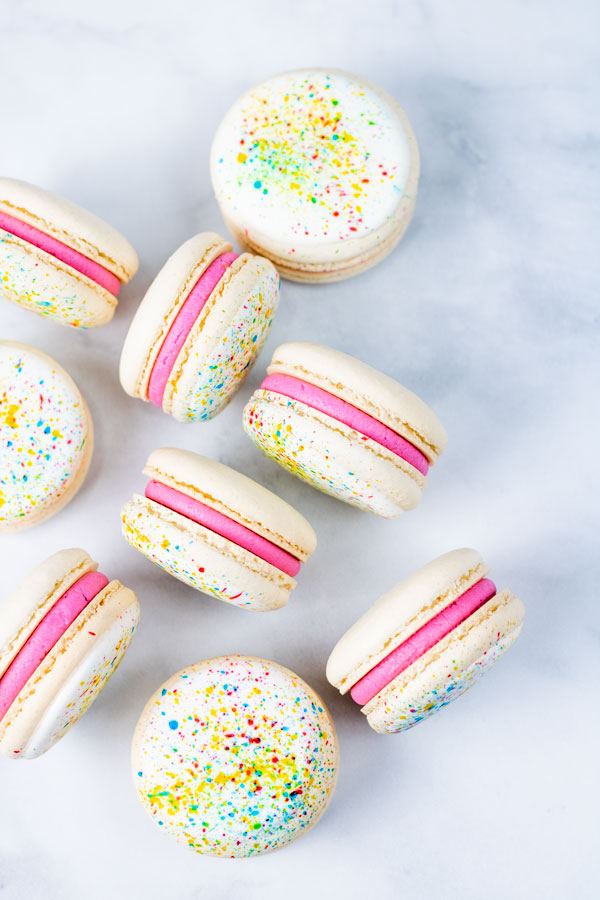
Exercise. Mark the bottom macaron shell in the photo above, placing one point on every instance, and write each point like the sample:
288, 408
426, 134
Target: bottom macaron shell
214, 364
203, 559
331, 456
59, 693
235, 757
40, 282
329, 272
449, 669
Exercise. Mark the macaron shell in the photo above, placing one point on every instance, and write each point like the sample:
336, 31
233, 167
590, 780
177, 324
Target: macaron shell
25, 607
353, 199
225, 341
71, 224
72, 675
400, 612
234, 495
235, 757
331, 456
448, 669
40, 282
160, 306
45, 421
366, 388
329, 272
203, 559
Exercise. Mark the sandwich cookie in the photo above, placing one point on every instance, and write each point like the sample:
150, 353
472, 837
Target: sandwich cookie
345, 428
63, 632
199, 328
218, 531
318, 170
425, 642
46, 437
235, 756
58, 259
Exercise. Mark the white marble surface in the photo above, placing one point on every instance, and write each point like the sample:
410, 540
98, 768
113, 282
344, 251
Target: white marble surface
488, 310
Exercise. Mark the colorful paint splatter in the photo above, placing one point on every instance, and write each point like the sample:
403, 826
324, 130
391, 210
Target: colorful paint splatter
43, 434
204, 560
235, 756
40, 282
398, 708
321, 451
312, 155
214, 373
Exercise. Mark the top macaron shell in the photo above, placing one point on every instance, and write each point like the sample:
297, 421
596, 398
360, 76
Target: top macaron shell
222, 344
318, 169
235, 757
334, 456
448, 669
46, 437
207, 560
75, 671
39, 281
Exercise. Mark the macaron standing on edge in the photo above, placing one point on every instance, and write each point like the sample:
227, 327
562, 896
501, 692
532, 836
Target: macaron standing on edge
199, 328
218, 531
58, 259
317, 169
425, 642
46, 437
235, 756
345, 428
63, 632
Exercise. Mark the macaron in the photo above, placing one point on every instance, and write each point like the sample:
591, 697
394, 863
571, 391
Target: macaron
58, 259
235, 756
217, 530
199, 328
46, 437
317, 169
425, 642
345, 428
63, 632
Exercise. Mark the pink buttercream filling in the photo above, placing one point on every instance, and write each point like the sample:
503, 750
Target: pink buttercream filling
349, 415
183, 324
46, 635
422, 641
60, 251
223, 525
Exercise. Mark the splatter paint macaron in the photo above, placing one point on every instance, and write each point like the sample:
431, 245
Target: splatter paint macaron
58, 259
425, 642
46, 437
218, 531
318, 170
345, 428
63, 632
235, 756
199, 328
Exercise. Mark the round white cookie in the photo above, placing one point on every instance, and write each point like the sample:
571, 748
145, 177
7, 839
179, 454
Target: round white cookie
317, 169
46, 437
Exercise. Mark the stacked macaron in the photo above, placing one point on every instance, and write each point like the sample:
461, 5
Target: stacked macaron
199, 328
425, 642
253, 756
63, 632
318, 170
58, 259
217, 530
345, 428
